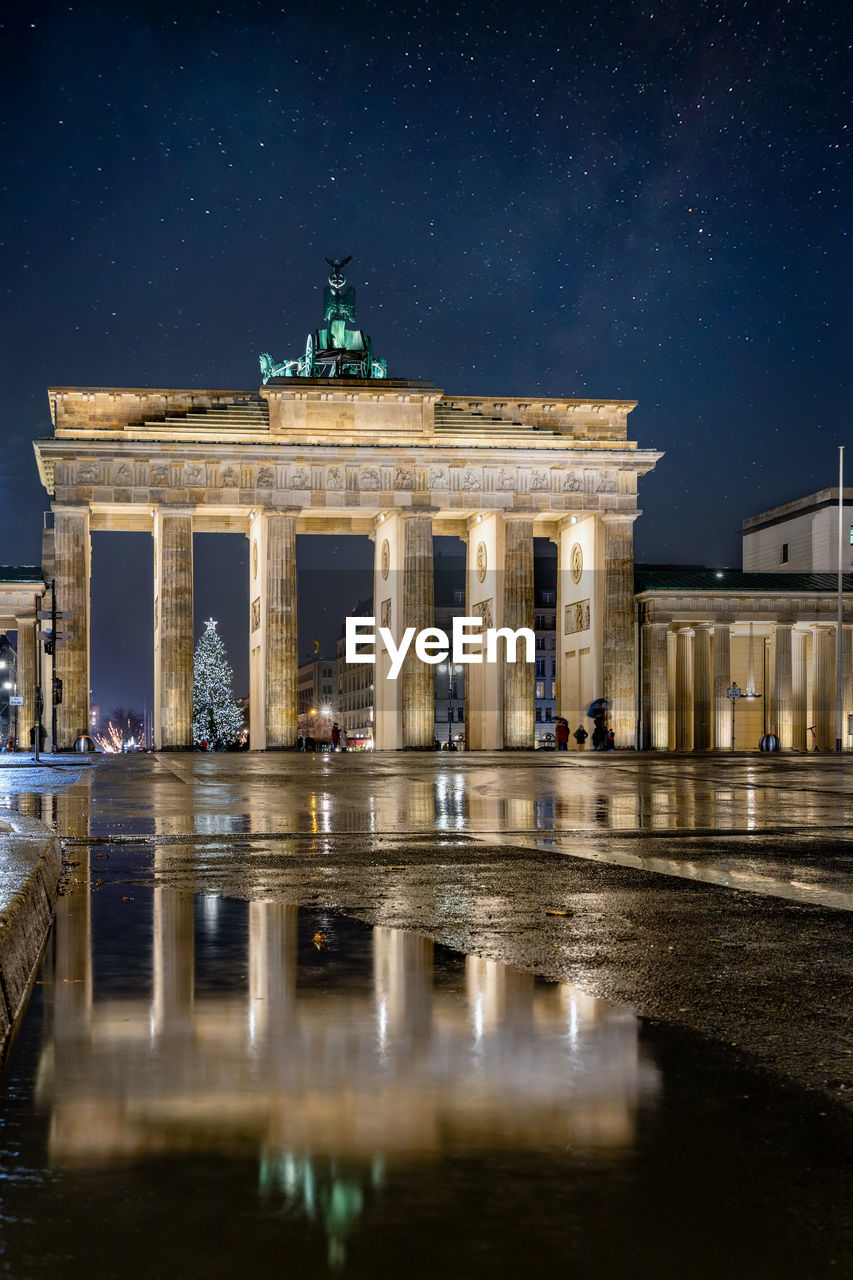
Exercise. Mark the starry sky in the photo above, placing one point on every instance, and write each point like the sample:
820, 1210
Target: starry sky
619, 200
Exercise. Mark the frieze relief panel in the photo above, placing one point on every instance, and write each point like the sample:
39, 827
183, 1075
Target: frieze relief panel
230, 477
404, 478
483, 609
369, 478
256, 614
438, 478
576, 617
88, 473
334, 478
385, 614
266, 478
299, 478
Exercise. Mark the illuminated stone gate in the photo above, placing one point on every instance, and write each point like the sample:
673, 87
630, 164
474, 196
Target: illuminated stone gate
397, 461
330, 445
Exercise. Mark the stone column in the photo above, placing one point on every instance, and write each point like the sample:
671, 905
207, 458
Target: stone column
73, 552
27, 678
684, 690
484, 686
518, 607
618, 646
656, 686
703, 690
823, 686
722, 667
418, 678
783, 685
273, 702
173, 629
799, 686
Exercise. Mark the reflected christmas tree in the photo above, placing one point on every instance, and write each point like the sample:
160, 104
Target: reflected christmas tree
217, 719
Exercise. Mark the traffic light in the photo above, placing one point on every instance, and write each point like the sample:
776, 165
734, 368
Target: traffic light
57, 691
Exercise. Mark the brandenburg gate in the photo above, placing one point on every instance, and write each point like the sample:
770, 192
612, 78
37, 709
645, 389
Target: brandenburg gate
331, 445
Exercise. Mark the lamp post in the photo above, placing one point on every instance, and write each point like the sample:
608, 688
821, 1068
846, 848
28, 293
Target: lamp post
734, 692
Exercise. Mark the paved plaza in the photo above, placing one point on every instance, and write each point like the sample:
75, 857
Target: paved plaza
711, 893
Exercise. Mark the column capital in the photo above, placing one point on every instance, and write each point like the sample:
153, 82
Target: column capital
172, 508
613, 517
408, 513
572, 521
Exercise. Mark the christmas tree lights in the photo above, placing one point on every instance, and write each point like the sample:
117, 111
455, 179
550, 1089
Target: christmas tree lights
216, 715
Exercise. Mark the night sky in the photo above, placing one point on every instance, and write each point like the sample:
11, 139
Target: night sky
617, 200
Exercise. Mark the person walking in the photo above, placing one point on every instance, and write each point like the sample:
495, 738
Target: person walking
610, 741
336, 736
580, 736
562, 734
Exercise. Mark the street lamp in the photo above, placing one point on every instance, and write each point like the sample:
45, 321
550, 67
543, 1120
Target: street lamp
734, 693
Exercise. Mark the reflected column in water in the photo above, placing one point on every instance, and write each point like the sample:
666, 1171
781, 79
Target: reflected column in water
73, 993
174, 957
402, 983
498, 995
272, 965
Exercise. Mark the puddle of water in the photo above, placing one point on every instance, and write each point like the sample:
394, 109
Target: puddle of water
204, 1086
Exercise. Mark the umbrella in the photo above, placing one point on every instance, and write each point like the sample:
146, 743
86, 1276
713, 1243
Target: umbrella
598, 708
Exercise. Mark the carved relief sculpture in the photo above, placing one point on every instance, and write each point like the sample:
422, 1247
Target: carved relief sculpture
482, 561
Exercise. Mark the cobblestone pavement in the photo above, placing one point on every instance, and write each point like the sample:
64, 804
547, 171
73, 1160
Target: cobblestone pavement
713, 893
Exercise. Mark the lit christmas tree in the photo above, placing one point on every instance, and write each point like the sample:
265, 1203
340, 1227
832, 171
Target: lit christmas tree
216, 716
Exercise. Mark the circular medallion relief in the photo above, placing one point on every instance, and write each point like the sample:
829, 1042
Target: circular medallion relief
481, 561
386, 559
255, 558
576, 562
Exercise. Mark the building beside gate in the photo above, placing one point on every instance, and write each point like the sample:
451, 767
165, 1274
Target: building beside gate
773, 634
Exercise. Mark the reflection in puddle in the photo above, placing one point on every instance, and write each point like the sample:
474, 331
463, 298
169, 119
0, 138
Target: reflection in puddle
346, 1051
204, 1086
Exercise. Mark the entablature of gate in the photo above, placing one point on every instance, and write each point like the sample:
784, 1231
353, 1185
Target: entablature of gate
334, 487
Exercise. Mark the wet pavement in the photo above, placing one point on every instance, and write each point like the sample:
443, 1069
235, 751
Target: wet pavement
674, 1101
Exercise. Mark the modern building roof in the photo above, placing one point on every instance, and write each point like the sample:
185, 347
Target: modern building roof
806, 506
699, 578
